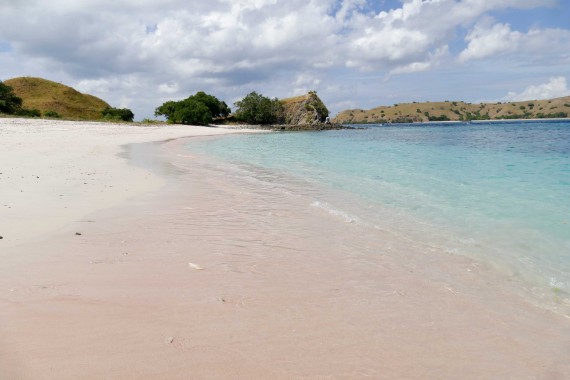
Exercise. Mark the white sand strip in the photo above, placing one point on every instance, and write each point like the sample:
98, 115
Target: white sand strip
55, 172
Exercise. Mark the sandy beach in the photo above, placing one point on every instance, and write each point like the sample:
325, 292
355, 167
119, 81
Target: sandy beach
128, 259
55, 172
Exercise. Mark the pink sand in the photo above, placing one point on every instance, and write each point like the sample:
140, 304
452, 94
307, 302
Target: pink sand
203, 276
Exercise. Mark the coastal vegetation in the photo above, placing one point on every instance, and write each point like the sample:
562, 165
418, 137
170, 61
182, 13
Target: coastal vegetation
302, 112
9, 102
457, 111
118, 114
255, 108
46, 98
37, 97
200, 109
306, 111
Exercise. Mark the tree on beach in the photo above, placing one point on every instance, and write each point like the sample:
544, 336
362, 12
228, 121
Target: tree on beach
216, 107
167, 109
123, 114
258, 109
193, 112
9, 103
200, 109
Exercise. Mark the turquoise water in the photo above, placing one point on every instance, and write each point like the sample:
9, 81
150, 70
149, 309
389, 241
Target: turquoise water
497, 192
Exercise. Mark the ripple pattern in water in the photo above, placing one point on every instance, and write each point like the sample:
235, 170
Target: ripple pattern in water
498, 192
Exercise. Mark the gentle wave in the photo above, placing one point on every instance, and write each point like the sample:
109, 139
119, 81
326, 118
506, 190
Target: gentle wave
497, 193
345, 216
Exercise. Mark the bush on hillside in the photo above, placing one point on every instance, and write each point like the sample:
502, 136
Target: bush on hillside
28, 112
258, 109
9, 103
200, 109
52, 114
438, 118
119, 114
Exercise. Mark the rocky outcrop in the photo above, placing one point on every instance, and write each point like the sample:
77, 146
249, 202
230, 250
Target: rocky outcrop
298, 127
306, 110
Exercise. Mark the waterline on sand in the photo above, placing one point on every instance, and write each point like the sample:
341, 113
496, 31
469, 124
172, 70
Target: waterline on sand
491, 192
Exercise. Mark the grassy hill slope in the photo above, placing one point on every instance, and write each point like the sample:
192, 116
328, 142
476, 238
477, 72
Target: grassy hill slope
459, 111
45, 95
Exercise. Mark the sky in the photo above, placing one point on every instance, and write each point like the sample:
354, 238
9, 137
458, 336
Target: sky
355, 53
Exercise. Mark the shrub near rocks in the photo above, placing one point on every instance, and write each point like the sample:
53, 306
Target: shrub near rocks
258, 109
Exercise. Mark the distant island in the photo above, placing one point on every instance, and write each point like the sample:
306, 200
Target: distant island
457, 111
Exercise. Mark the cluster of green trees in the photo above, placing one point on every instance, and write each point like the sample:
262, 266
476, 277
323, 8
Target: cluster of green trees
118, 114
9, 103
200, 108
539, 115
258, 109
203, 109
439, 118
474, 116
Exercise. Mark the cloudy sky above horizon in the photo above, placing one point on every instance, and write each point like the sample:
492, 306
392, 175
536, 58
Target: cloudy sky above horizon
355, 53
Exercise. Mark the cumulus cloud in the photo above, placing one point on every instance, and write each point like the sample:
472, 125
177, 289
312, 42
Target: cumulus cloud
148, 51
168, 88
406, 39
556, 87
432, 60
486, 40
222, 35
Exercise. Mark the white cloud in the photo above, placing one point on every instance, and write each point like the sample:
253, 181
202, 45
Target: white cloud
433, 60
148, 51
168, 88
306, 82
556, 87
404, 39
487, 40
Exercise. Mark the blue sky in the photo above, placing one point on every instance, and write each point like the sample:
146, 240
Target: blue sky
355, 53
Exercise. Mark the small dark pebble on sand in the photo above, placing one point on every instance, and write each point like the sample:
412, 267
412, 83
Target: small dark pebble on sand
1, 237
78, 233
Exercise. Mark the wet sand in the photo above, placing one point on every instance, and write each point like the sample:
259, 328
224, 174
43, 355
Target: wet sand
217, 276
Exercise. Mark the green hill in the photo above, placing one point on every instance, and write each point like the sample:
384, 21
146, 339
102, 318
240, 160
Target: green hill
457, 111
45, 95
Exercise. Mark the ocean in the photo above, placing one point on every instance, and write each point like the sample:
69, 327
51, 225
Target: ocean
495, 192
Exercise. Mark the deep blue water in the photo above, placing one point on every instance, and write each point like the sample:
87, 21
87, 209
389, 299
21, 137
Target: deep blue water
498, 192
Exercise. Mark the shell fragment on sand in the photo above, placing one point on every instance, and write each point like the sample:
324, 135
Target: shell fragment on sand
195, 266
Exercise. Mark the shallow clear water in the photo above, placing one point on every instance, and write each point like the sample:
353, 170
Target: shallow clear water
497, 192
